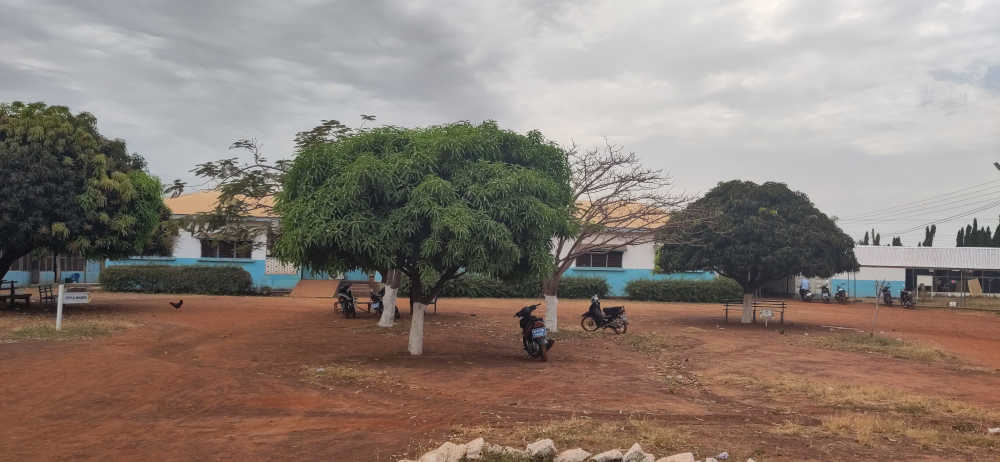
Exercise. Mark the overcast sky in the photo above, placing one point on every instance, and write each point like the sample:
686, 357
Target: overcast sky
860, 104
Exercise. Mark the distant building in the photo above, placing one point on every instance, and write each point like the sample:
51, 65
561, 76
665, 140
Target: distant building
616, 264
948, 271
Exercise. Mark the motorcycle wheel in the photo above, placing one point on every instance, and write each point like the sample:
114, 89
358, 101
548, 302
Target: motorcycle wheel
588, 324
620, 328
542, 355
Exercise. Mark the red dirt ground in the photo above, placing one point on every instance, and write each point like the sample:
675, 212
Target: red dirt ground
223, 379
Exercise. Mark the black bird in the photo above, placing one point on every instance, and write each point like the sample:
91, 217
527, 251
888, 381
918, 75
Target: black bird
177, 305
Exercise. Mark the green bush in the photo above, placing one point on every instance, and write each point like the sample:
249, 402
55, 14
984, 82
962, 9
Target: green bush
679, 290
211, 280
583, 287
477, 286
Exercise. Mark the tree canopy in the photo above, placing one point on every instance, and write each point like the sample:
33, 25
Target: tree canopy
761, 232
433, 202
67, 189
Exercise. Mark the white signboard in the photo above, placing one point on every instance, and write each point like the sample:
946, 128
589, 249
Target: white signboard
766, 314
71, 298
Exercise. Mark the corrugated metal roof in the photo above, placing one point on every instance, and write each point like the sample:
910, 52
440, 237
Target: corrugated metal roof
975, 258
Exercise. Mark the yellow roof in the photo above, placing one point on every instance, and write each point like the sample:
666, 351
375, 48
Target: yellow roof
206, 201
631, 215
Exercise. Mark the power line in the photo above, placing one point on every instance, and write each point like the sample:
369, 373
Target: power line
964, 192
922, 213
953, 217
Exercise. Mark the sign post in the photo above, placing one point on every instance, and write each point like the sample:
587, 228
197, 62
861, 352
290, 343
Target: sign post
59, 304
68, 298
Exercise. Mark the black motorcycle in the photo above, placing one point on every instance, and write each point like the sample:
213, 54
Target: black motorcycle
841, 295
806, 295
886, 296
346, 299
825, 294
612, 317
534, 335
906, 299
377, 305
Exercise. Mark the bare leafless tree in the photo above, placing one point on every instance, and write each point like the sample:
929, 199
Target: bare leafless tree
618, 203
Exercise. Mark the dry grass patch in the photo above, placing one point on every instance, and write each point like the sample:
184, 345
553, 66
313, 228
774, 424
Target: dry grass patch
584, 432
875, 416
896, 348
341, 374
36, 329
650, 343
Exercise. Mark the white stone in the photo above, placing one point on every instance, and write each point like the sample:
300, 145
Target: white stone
447, 452
636, 454
993, 431
613, 455
751, 460
572, 455
504, 450
474, 449
682, 457
541, 449
722, 455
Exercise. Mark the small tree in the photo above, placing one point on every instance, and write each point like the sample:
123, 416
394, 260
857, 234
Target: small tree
761, 233
897, 241
616, 203
433, 203
929, 233
864, 241
67, 189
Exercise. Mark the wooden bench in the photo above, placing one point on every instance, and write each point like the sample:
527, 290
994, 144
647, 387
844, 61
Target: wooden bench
46, 295
12, 296
758, 304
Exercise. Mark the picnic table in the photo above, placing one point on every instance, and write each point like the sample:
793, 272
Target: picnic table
12, 296
774, 305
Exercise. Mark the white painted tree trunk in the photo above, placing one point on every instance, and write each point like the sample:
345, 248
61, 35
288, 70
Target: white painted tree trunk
552, 313
417, 329
747, 308
388, 308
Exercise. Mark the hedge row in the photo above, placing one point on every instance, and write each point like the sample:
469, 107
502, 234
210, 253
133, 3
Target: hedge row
476, 286
679, 290
211, 280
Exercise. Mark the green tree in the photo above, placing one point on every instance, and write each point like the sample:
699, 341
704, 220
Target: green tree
432, 202
865, 241
929, 233
762, 232
897, 241
960, 238
67, 189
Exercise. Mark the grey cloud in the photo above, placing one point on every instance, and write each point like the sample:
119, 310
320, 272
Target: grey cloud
859, 104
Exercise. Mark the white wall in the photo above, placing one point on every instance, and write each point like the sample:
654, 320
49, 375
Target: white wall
189, 246
875, 273
633, 257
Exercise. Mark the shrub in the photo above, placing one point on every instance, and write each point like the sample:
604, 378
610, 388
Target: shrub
679, 290
477, 286
583, 287
211, 280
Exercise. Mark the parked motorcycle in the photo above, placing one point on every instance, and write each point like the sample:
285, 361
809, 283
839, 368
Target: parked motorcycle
886, 296
825, 294
841, 295
906, 298
534, 335
346, 299
612, 317
806, 295
377, 305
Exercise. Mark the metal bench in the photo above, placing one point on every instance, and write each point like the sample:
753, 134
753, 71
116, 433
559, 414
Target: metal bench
758, 304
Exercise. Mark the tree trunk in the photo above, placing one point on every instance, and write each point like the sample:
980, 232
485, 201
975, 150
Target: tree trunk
747, 308
416, 346
392, 280
550, 288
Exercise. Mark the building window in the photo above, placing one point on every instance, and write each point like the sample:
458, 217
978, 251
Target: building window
611, 259
212, 248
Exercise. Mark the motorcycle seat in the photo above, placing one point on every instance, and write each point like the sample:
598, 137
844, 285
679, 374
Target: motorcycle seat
612, 311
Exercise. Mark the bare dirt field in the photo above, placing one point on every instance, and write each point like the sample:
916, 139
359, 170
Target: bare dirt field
276, 378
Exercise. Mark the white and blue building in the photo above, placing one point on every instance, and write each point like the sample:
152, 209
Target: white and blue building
945, 271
